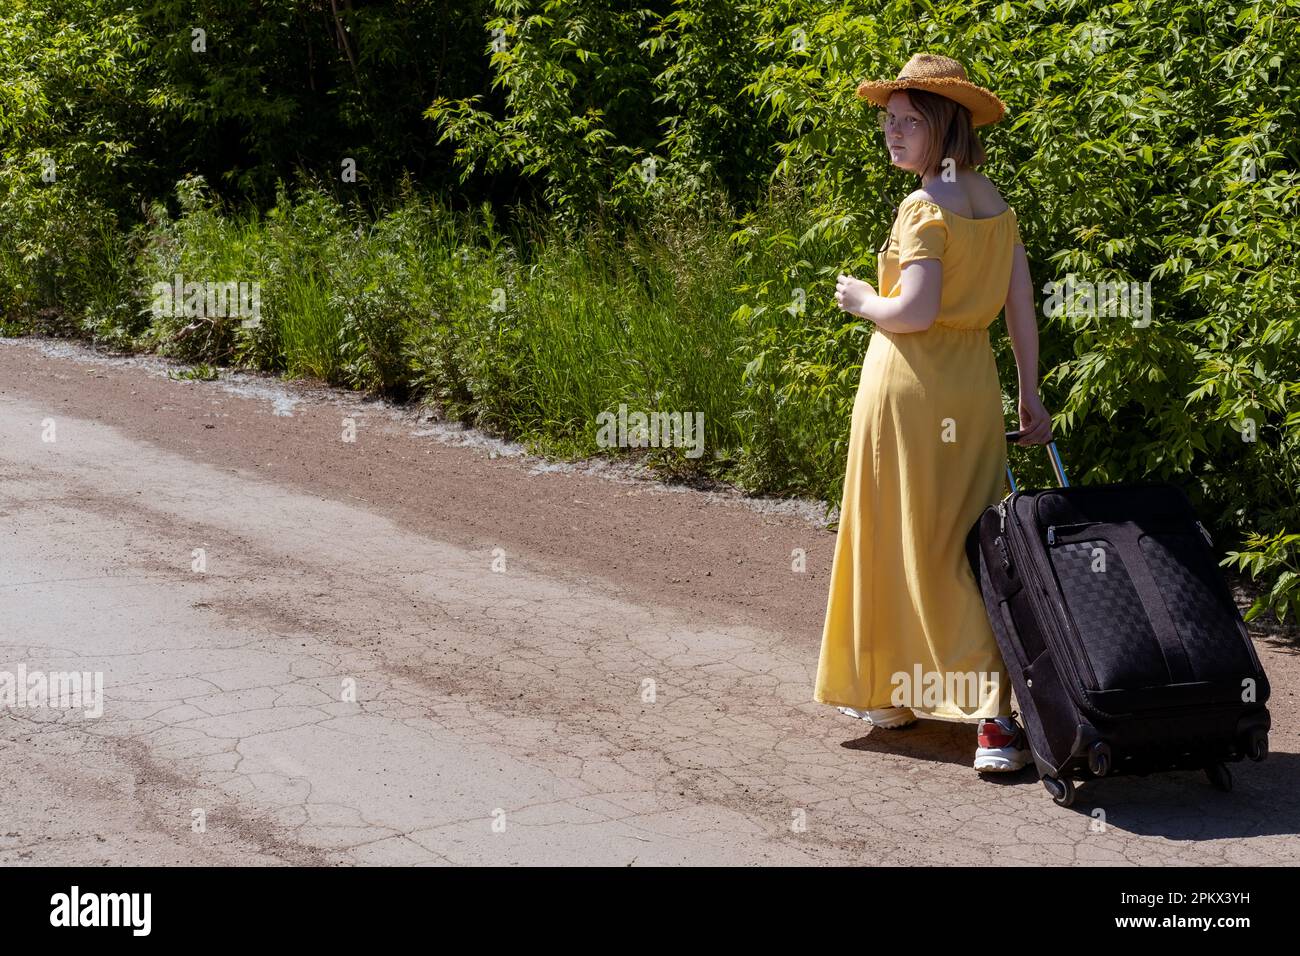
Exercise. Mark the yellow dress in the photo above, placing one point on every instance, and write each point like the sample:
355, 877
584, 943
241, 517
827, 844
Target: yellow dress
927, 453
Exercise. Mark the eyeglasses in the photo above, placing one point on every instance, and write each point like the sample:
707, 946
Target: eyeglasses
909, 124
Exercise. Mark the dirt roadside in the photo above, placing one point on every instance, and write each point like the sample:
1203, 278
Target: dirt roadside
496, 716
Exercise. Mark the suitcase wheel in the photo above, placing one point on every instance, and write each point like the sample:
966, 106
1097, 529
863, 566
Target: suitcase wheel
1099, 758
1220, 776
1257, 748
1062, 791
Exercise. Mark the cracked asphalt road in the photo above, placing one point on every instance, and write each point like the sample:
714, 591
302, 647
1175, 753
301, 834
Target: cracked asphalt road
402, 651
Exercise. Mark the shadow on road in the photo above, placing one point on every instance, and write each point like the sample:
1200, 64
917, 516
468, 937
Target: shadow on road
1178, 805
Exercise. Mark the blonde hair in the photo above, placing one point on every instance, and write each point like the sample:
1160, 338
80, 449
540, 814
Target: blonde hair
950, 133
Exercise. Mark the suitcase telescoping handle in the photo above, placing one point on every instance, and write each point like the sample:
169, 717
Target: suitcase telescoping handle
1053, 454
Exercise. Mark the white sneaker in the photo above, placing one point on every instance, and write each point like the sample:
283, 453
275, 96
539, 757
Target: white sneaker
887, 718
1002, 746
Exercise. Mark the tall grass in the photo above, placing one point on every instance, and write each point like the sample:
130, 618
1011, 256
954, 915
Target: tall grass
530, 332
308, 328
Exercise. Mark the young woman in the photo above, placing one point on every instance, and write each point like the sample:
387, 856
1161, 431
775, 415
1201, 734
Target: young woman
906, 632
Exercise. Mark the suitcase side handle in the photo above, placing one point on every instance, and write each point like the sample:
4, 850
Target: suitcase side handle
1053, 455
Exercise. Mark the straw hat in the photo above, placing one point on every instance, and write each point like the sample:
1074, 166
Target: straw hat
942, 75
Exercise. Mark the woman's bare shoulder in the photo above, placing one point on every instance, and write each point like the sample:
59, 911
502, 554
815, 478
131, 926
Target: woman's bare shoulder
925, 194
973, 197
985, 198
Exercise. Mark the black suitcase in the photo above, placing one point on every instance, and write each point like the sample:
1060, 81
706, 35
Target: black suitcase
1124, 647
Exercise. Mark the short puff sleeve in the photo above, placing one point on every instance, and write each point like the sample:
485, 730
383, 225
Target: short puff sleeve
922, 233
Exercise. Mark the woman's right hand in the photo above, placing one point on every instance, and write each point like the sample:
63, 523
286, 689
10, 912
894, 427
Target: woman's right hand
1035, 422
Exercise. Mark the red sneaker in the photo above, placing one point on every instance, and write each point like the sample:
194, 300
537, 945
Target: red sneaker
1002, 745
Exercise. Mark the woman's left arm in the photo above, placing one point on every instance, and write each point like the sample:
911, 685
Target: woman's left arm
914, 309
